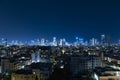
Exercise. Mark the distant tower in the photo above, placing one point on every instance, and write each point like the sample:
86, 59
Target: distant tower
4, 42
108, 40
61, 41
102, 39
42, 41
54, 41
37, 42
81, 41
77, 41
93, 42
46, 42
86, 43
119, 42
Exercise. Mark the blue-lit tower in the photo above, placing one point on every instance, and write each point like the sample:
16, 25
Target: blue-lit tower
4, 42
43, 42
76, 41
81, 41
102, 39
54, 41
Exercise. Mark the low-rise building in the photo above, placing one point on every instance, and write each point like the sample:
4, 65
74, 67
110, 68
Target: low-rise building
23, 75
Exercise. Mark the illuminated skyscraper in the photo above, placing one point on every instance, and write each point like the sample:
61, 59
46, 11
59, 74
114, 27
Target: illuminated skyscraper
119, 42
43, 42
4, 42
93, 42
47, 42
76, 41
86, 43
63, 42
102, 39
37, 42
54, 41
108, 40
81, 41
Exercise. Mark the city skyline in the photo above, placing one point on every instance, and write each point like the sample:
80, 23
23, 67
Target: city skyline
59, 39
56, 41
25, 20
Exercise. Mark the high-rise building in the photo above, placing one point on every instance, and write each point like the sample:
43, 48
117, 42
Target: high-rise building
43, 42
4, 42
61, 41
108, 40
102, 39
119, 42
54, 41
94, 42
37, 42
81, 41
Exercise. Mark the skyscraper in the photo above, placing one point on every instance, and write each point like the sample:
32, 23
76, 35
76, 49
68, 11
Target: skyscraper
102, 39
43, 42
94, 42
54, 41
4, 42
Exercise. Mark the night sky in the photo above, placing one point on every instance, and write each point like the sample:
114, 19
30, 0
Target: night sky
29, 19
